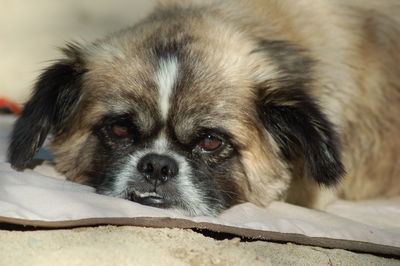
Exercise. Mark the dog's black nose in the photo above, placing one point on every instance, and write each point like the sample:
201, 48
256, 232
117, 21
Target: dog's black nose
155, 167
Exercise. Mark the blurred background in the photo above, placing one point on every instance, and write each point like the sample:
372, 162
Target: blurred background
32, 31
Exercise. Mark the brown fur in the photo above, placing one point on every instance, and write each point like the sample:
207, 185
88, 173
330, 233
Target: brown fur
355, 77
357, 81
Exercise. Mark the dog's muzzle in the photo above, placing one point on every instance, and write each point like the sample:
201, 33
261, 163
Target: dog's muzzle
156, 169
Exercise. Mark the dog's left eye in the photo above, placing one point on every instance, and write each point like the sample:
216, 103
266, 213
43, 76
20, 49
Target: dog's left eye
120, 130
210, 143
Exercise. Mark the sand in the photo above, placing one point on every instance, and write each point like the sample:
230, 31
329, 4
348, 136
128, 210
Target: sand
110, 245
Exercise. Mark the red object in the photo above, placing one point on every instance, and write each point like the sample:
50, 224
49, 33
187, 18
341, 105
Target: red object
7, 106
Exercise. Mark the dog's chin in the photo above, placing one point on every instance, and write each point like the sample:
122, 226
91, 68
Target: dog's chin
157, 201
152, 199
184, 206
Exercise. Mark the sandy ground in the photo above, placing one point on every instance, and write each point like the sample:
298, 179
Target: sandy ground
30, 32
111, 245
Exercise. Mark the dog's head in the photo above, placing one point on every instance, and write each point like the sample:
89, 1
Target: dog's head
190, 116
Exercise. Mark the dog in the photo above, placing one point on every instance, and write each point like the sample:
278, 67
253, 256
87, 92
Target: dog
206, 104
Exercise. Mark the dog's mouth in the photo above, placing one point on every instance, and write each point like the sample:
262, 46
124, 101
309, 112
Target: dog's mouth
150, 198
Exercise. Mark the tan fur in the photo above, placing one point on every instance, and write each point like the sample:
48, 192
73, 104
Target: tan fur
356, 80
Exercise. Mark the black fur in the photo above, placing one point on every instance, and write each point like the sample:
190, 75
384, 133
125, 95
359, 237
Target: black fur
302, 130
293, 117
54, 96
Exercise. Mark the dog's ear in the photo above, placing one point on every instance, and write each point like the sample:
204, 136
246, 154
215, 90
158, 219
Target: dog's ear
301, 129
55, 95
295, 120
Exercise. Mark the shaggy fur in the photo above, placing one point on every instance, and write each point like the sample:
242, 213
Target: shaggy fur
300, 95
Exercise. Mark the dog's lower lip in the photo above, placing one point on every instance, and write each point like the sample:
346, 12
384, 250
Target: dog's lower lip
158, 202
153, 200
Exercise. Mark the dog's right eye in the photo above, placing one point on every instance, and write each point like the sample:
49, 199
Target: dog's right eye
116, 130
209, 143
120, 131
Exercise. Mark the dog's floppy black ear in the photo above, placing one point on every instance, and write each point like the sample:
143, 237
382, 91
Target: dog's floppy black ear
295, 120
55, 94
301, 129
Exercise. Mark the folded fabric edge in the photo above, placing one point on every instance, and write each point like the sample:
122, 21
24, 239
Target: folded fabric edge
166, 222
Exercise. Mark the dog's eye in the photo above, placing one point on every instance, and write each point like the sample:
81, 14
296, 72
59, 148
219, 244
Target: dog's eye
209, 143
120, 130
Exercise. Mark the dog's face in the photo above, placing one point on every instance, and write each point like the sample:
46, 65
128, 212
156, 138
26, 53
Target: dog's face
182, 116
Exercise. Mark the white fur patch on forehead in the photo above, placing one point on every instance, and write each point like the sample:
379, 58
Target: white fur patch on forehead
161, 144
166, 76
